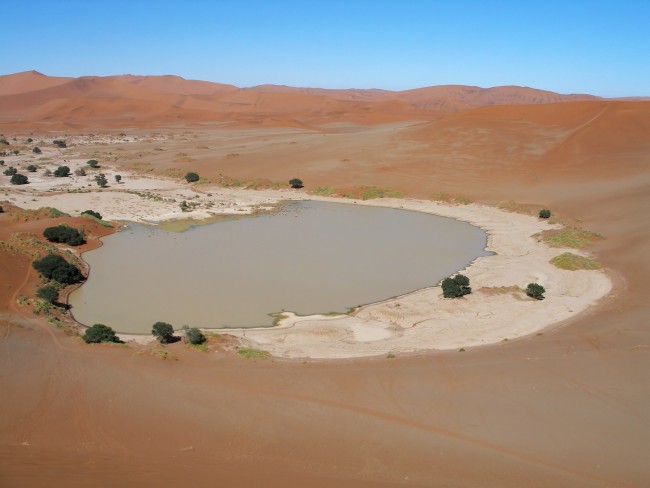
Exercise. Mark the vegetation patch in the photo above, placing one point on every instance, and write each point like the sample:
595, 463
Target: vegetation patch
573, 262
371, 193
568, 237
250, 353
324, 191
448, 198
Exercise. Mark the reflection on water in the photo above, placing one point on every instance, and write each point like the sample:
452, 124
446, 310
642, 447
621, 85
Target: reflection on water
312, 257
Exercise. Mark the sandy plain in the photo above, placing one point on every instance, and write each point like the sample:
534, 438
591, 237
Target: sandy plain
568, 407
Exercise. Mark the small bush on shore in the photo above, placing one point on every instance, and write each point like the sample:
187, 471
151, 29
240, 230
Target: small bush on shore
100, 333
194, 336
296, 183
455, 287
49, 293
536, 291
544, 214
163, 331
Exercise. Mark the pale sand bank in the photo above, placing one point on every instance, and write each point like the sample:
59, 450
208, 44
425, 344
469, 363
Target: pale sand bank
420, 321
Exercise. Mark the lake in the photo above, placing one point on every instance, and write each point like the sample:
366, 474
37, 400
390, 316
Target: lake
310, 257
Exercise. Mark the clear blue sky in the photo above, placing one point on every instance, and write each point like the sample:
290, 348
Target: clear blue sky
598, 47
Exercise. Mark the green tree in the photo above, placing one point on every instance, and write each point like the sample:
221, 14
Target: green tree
118, 178
455, 287
62, 172
93, 163
101, 180
54, 267
194, 336
10, 171
544, 214
60, 144
163, 331
37, 150
32, 168
296, 183
19, 179
536, 291
191, 177
64, 234
100, 333
50, 293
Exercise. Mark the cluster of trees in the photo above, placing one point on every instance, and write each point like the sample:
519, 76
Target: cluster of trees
49, 293
455, 287
64, 234
162, 331
54, 267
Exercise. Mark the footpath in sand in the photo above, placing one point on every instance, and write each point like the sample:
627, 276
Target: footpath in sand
495, 311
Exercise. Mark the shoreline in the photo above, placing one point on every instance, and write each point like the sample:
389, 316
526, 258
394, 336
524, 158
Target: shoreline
416, 322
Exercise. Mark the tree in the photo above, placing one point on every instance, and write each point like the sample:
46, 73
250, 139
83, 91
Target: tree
92, 163
19, 179
10, 171
59, 143
118, 178
536, 291
455, 287
101, 180
97, 215
62, 171
64, 234
163, 332
54, 267
48, 293
100, 333
296, 183
32, 168
194, 336
37, 150
544, 214
191, 177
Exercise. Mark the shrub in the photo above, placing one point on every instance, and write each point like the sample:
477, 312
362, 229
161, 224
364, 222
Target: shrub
37, 150
61, 171
100, 333
64, 234
92, 163
118, 178
2, 162
2, 210
4, 141
32, 168
544, 214
296, 183
97, 215
49, 293
455, 287
10, 171
536, 291
59, 143
80, 172
163, 332
54, 267
194, 336
19, 179
101, 180
191, 177
47, 172
29, 139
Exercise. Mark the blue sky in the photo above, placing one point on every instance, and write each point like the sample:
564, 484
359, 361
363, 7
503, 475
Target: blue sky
598, 47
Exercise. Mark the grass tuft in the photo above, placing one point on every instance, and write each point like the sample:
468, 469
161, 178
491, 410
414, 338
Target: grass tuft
573, 262
250, 353
569, 237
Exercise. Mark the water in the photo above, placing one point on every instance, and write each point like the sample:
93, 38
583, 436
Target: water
312, 257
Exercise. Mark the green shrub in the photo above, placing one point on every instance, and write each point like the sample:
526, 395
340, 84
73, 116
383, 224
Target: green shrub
37, 150
296, 183
32, 168
10, 171
59, 143
455, 287
191, 177
61, 172
92, 163
100, 333
163, 332
194, 336
54, 267
535, 290
101, 180
50, 293
118, 178
97, 215
19, 179
64, 234
544, 214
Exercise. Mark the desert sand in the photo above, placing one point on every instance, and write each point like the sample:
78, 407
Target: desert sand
566, 406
